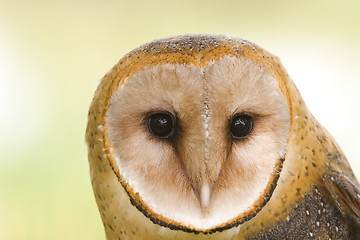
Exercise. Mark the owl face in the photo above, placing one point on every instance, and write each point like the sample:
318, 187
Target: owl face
199, 145
192, 133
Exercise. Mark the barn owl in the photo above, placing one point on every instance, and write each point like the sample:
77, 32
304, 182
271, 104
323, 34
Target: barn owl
207, 137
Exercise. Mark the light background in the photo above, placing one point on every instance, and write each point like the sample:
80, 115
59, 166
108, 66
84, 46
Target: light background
53, 53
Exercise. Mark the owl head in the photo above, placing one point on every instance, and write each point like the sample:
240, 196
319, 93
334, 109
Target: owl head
195, 129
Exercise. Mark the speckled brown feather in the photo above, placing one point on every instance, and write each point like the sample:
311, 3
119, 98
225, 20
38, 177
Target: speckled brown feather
317, 195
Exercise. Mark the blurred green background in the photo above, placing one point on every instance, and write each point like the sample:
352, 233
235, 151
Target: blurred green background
53, 54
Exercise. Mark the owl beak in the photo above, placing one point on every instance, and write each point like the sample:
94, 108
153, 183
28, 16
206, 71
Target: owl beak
204, 197
203, 193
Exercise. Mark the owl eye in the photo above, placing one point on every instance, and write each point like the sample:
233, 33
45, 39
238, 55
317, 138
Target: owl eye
241, 125
161, 124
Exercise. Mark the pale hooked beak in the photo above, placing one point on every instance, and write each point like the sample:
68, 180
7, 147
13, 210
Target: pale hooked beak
204, 198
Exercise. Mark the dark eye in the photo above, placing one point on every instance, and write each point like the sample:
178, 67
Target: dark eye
161, 124
241, 125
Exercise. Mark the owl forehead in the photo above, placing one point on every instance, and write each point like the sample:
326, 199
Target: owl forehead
228, 84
